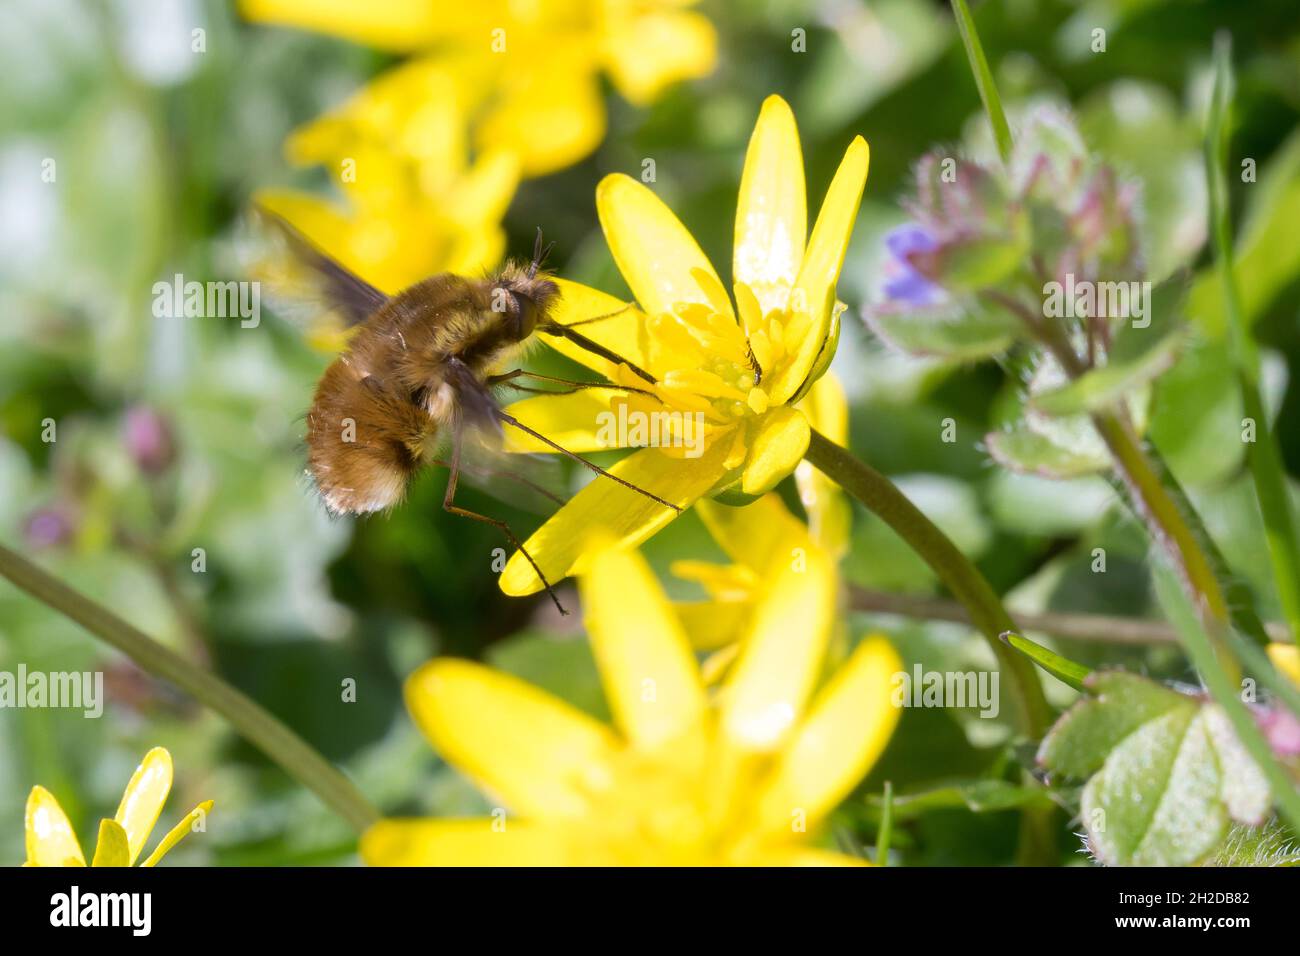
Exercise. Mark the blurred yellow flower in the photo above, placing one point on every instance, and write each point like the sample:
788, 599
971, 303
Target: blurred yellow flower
1286, 658
760, 540
529, 72
742, 776
732, 375
415, 204
52, 842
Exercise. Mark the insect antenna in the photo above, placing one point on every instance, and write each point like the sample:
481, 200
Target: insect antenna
449, 505
511, 420
539, 254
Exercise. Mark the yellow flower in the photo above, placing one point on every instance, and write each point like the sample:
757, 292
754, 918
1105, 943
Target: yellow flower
415, 205
740, 371
685, 777
1286, 658
530, 71
52, 842
760, 539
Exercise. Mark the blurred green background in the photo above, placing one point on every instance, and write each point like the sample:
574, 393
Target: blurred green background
177, 434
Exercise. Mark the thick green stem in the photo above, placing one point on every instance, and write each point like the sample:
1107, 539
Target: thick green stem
963, 579
953, 568
250, 719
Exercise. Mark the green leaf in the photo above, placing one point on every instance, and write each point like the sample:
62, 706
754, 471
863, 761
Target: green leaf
1062, 668
977, 796
1269, 845
1029, 452
955, 332
1265, 258
1141, 353
1166, 775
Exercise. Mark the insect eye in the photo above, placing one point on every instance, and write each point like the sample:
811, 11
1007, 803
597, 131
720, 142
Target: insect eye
526, 316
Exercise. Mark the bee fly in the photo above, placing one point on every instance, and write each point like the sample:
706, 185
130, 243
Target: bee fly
419, 372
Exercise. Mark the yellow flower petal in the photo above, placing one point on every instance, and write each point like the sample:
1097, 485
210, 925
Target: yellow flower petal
803, 856
1286, 658
782, 655
846, 730
711, 625
561, 546
774, 451
550, 116
830, 516
649, 52
660, 260
814, 292
574, 421
646, 665
714, 667
178, 833
113, 848
144, 798
507, 842
535, 752
772, 211
398, 25
757, 535
50, 838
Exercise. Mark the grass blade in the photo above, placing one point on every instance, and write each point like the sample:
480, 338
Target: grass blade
979, 66
1262, 455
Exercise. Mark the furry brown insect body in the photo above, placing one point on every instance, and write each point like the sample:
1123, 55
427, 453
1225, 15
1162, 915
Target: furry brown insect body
419, 363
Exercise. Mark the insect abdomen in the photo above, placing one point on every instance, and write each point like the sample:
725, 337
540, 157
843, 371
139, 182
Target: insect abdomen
364, 443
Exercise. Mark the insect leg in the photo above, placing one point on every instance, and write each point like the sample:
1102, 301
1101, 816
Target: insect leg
511, 420
595, 348
507, 378
512, 475
450, 507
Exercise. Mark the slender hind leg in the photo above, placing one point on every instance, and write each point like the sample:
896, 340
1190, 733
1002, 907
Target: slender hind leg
448, 505
512, 475
511, 420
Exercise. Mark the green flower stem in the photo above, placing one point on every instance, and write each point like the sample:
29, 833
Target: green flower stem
1263, 456
963, 579
886, 829
954, 569
1094, 628
1161, 514
250, 719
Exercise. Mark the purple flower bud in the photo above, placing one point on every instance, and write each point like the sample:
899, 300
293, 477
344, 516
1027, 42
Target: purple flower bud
148, 439
47, 528
903, 283
1281, 729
